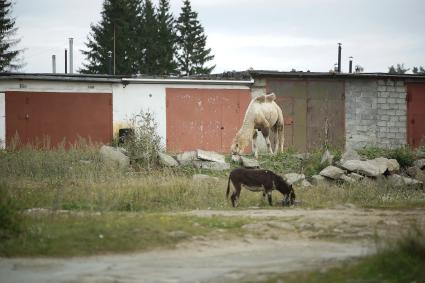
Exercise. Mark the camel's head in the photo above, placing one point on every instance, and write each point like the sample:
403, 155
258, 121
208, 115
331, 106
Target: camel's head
238, 145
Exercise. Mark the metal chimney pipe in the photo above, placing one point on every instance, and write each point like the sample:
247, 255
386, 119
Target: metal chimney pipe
339, 57
109, 62
71, 55
350, 65
54, 64
66, 61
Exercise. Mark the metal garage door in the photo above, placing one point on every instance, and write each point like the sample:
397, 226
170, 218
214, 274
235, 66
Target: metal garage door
59, 117
313, 111
415, 114
204, 118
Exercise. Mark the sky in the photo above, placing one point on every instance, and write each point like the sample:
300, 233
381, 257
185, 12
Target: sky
277, 35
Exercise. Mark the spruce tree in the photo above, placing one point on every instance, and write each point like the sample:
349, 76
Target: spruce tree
9, 60
115, 28
191, 43
166, 39
148, 40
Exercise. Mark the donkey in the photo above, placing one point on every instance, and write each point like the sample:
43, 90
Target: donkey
259, 180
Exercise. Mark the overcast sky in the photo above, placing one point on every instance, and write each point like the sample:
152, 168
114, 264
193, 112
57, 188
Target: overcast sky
262, 34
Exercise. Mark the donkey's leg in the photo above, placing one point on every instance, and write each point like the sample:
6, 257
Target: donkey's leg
236, 194
269, 197
254, 143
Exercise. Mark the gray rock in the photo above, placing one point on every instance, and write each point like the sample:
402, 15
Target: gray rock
202, 178
350, 154
327, 158
355, 176
367, 168
305, 184
420, 164
186, 157
218, 166
210, 156
332, 172
249, 163
293, 178
167, 160
416, 173
393, 165
347, 179
400, 181
113, 155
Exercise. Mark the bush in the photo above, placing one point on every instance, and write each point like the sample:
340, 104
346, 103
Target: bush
143, 146
10, 220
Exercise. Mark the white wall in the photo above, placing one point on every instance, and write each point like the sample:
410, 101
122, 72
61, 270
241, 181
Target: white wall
2, 120
129, 100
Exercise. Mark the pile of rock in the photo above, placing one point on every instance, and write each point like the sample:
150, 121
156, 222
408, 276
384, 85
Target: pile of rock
198, 158
352, 169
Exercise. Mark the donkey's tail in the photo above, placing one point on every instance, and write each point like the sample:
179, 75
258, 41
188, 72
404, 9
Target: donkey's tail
228, 188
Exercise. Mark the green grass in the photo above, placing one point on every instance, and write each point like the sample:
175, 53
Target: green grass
77, 234
400, 263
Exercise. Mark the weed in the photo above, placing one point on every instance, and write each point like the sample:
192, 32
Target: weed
10, 220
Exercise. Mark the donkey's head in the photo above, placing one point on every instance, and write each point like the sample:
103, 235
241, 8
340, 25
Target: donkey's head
286, 189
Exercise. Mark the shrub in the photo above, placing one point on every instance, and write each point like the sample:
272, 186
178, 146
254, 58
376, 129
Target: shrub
143, 146
10, 220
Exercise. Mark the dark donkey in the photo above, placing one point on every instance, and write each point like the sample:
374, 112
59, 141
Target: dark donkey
258, 180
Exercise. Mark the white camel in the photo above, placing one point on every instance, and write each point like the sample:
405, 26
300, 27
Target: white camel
265, 115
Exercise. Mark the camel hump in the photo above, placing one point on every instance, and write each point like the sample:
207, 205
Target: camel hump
266, 98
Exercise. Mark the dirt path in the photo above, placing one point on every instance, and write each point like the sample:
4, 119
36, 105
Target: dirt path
290, 240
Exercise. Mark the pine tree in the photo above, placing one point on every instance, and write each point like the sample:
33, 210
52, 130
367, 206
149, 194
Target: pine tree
191, 41
148, 40
115, 28
166, 39
9, 57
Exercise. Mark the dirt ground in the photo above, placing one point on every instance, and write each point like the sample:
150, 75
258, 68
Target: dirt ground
277, 241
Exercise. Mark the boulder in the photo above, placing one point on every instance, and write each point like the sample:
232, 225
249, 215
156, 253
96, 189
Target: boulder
356, 176
393, 165
419, 163
327, 158
111, 154
371, 169
347, 179
210, 156
167, 160
293, 178
305, 184
249, 163
218, 166
186, 157
416, 173
400, 181
332, 172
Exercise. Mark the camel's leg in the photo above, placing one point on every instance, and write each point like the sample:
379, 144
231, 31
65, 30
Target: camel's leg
266, 134
254, 143
279, 138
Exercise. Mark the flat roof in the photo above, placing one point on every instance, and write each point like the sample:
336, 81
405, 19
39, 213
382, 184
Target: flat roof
333, 75
125, 79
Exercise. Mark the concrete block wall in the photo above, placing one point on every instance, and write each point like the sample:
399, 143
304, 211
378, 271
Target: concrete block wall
376, 113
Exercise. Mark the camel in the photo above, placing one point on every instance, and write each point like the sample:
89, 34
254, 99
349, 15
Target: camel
265, 115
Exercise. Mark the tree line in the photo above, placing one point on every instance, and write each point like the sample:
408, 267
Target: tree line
135, 37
